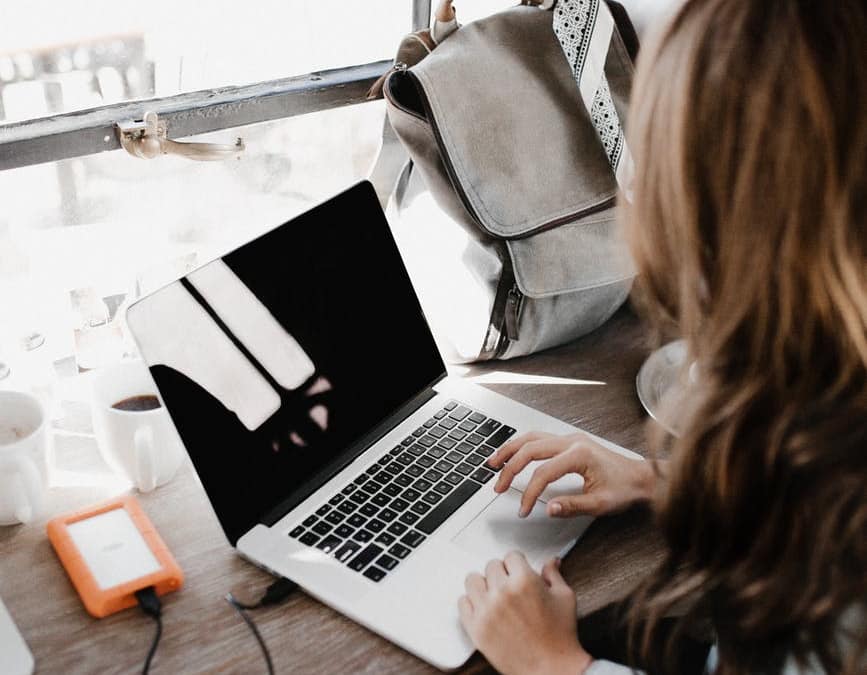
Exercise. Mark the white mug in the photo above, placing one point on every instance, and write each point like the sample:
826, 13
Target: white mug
142, 445
23, 472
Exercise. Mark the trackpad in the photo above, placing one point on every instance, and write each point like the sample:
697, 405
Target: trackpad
498, 530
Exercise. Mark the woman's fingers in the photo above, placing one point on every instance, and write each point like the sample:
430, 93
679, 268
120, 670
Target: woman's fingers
573, 460
465, 610
504, 454
495, 574
590, 504
516, 564
476, 587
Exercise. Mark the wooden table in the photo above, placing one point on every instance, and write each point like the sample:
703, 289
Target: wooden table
203, 634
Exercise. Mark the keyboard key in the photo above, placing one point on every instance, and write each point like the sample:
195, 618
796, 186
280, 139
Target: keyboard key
477, 417
482, 475
409, 440
344, 531
386, 562
368, 510
406, 459
346, 551
412, 538
309, 521
403, 480
438, 432
475, 459
381, 499
430, 423
397, 528
322, 527
419, 432
440, 415
422, 485
464, 468
371, 487
446, 443
485, 450
396, 450
297, 532
384, 477
356, 520
475, 439
459, 413
399, 505
457, 434
436, 452
392, 490
322, 510
363, 536
488, 428
335, 517
360, 480
451, 405
467, 426
416, 450
308, 539
400, 551
394, 468
386, 539
374, 574
450, 504
420, 508
426, 461
335, 500
410, 494
409, 518
387, 515
454, 478
448, 423
359, 497
464, 448
443, 466
432, 497
433, 475
349, 489
502, 435
443, 488
364, 558
454, 457
415, 470
347, 507
330, 543
375, 525
427, 441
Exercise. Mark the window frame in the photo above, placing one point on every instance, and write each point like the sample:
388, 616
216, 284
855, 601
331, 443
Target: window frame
87, 132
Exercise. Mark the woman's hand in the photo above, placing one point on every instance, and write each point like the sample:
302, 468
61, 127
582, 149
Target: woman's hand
521, 621
612, 482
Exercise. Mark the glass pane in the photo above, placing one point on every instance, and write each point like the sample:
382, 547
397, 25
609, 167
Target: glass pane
81, 238
57, 57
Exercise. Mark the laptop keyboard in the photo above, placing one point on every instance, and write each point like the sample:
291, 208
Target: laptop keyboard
386, 512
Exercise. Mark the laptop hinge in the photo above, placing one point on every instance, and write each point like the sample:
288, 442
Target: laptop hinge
351, 454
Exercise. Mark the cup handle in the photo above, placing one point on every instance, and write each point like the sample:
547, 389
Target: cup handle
27, 489
145, 477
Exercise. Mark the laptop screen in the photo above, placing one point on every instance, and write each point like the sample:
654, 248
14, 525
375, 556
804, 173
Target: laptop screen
273, 360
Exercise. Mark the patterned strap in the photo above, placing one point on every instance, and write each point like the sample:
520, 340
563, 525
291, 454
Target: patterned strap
584, 29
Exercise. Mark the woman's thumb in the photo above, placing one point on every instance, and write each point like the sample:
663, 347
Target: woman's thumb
551, 573
576, 505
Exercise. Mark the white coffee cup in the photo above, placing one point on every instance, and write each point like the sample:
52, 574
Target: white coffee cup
142, 445
23, 472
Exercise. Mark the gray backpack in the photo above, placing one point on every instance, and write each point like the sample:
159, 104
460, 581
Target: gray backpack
525, 230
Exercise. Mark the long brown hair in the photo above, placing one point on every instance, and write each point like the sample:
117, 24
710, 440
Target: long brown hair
749, 229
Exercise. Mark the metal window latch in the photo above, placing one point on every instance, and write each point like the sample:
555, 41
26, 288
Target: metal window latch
147, 138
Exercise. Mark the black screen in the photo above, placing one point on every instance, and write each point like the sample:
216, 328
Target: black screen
334, 280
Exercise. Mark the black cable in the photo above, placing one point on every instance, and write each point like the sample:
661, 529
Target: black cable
150, 604
275, 593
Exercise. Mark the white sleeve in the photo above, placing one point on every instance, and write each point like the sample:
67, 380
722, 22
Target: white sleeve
609, 668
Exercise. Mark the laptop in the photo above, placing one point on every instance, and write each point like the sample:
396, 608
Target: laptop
17, 659
334, 448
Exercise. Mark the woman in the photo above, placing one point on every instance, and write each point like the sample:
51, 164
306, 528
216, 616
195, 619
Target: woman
749, 229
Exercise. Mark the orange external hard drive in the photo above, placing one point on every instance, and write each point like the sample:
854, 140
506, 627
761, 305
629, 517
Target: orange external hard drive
110, 551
